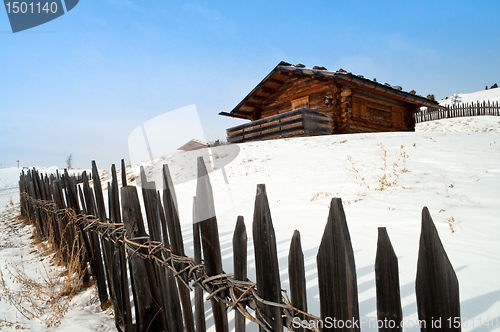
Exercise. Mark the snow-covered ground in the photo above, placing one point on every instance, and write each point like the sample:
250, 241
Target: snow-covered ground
28, 271
492, 95
455, 174
475, 124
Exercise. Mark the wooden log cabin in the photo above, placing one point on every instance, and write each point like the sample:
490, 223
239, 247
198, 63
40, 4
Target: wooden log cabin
298, 101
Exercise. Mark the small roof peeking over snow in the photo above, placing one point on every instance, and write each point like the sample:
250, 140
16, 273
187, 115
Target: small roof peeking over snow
193, 145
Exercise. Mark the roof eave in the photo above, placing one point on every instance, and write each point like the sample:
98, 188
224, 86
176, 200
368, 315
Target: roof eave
232, 115
253, 92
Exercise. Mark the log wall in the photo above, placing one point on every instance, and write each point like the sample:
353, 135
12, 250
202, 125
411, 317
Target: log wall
351, 108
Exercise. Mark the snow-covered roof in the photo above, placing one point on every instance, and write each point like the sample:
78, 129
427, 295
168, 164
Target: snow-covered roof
193, 145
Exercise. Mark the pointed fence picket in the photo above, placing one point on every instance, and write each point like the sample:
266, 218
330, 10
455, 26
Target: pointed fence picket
120, 252
459, 110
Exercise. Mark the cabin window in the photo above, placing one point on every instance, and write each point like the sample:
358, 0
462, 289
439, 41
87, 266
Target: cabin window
300, 103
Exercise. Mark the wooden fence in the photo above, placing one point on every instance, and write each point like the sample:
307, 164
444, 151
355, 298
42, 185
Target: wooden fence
459, 110
117, 250
299, 122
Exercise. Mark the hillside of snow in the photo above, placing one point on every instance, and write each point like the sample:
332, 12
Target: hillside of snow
9, 178
455, 174
492, 95
24, 261
474, 124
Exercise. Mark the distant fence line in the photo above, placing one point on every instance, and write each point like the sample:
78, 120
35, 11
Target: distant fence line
458, 110
117, 250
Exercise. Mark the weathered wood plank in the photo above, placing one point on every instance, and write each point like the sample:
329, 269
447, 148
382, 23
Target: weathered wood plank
240, 265
99, 198
282, 125
107, 248
58, 195
387, 282
114, 195
210, 239
436, 284
177, 244
151, 206
172, 301
146, 293
124, 174
60, 219
122, 307
84, 235
111, 264
337, 285
70, 187
96, 256
297, 277
199, 303
70, 190
82, 200
266, 261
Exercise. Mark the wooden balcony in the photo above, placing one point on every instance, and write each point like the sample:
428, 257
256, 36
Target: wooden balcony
299, 122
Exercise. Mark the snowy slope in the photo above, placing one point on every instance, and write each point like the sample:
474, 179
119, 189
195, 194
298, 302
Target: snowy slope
492, 95
476, 124
9, 177
36, 267
455, 174
18, 250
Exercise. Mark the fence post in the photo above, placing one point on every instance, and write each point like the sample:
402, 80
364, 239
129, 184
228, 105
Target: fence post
266, 262
172, 302
210, 239
177, 244
124, 173
122, 307
151, 205
387, 284
61, 218
436, 284
297, 277
338, 290
101, 214
240, 265
96, 257
144, 287
199, 303
71, 229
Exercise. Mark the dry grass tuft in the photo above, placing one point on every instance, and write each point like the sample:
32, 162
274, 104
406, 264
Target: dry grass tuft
390, 171
390, 174
5, 323
351, 201
320, 195
450, 221
46, 297
357, 175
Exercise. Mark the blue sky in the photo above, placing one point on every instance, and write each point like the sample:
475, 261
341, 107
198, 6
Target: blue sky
81, 83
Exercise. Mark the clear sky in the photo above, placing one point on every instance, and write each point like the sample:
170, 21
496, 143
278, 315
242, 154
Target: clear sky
81, 83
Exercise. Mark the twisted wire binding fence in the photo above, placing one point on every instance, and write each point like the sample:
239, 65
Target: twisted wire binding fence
459, 110
116, 251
